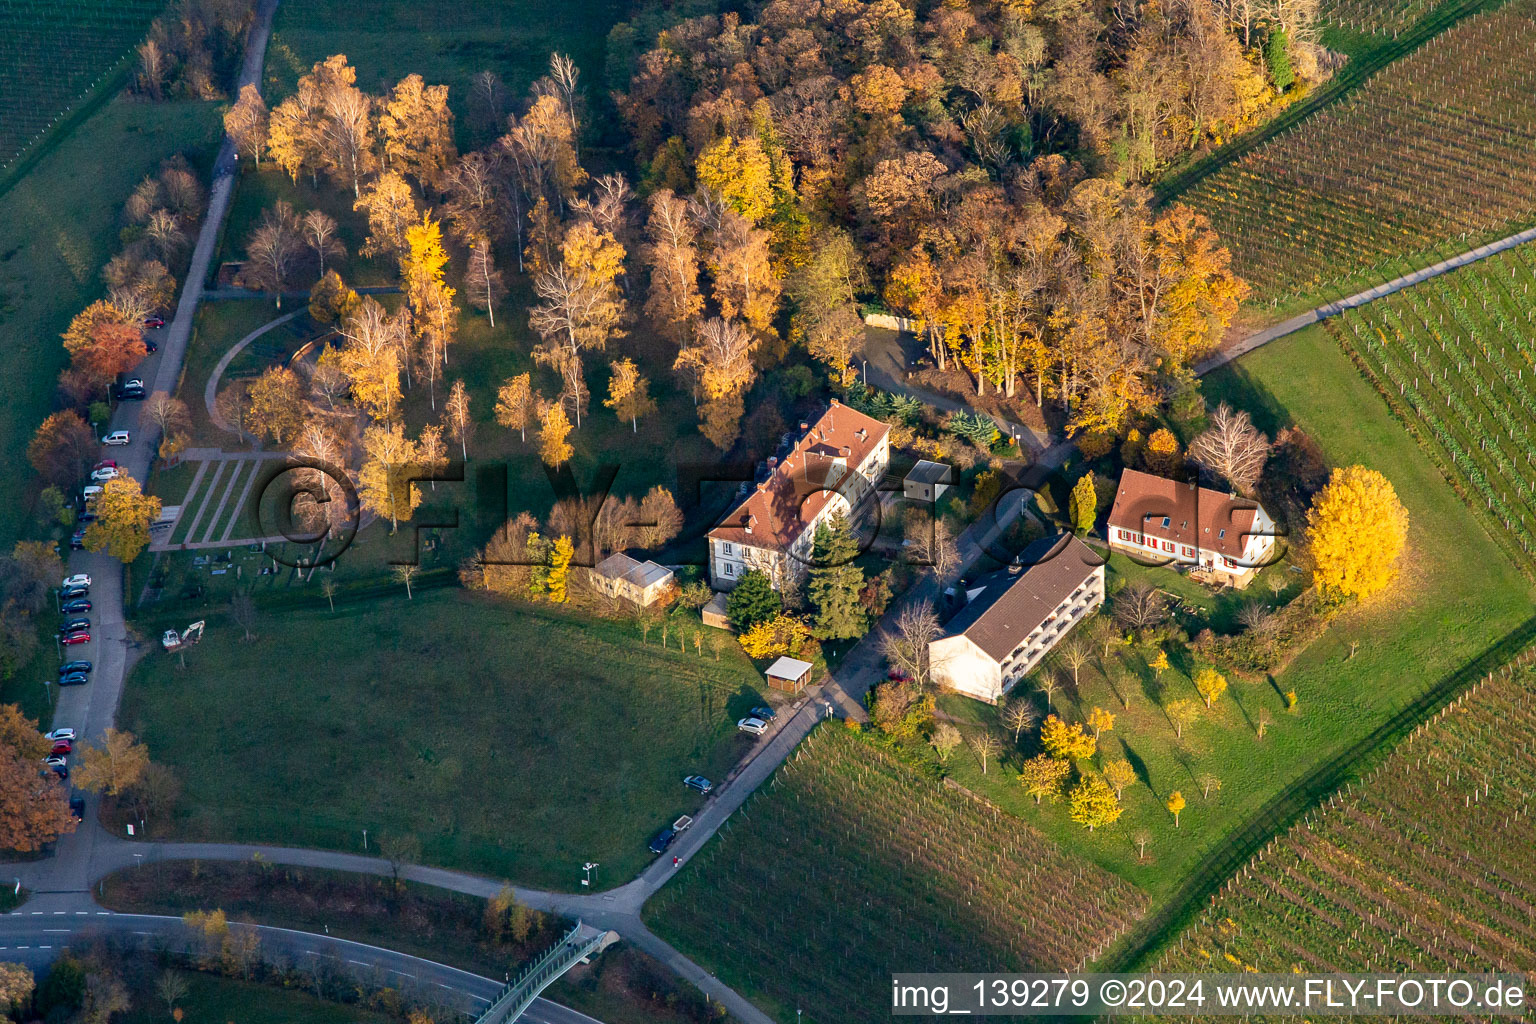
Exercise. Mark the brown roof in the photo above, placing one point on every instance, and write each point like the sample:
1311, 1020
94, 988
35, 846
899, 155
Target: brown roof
1197, 516
796, 491
1012, 604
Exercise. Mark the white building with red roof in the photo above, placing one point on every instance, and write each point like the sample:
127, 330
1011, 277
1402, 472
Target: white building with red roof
832, 468
1221, 537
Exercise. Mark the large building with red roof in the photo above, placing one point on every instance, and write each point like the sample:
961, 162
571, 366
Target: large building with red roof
832, 467
1222, 537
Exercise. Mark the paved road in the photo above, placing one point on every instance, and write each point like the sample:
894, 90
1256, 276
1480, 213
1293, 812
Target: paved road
34, 935
1358, 299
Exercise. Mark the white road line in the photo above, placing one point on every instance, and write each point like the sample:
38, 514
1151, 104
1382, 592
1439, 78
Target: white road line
56, 931
402, 974
360, 963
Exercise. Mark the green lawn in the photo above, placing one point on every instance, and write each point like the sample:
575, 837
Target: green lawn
58, 227
1458, 595
513, 741
211, 998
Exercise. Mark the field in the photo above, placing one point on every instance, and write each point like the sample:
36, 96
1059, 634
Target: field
52, 54
848, 865
1422, 867
213, 998
1432, 152
1375, 17
1450, 356
513, 742
58, 227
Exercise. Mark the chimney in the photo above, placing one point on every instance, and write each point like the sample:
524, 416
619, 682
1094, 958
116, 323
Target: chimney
834, 403
773, 461
845, 451
750, 520
804, 426
1014, 567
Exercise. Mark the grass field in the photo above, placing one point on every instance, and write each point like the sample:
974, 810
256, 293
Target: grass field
211, 998
513, 742
58, 227
52, 54
848, 866
1424, 867
1433, 148
1450, 356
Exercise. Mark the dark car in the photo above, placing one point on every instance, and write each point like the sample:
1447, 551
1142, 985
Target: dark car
75, 626
129, 393
79, 606
74, 666
699, 783
70, 593
663, 840
74, 679
62, 771
77, 540
77, 807
766, 714
154, 321
150, 347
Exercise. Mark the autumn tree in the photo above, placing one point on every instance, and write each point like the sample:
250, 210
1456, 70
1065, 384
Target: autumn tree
739, 172
1162, 454
16, 985
1182, 713
629, 393
114, 766
1232, 448
386, 486
516, 404
331, 301
346, 127
1175, 804
246, 122
277, 405
720, 360
1357, 529
824, 291
1100, 721
554, 428
944, 741
741, 269
1093, 803
1208, 784
1201, 294
123, 517
1066, 741
558, 578
417, 129
370, 358
322, 502
1043, 777
62, 448
671, 254
34, 806
430, 298
581, 306
457, 418
391, 209
1210, 684
482, 279
1119, 774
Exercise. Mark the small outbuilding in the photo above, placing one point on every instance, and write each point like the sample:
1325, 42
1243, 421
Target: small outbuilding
622, 577
789, 674
927, 481
714, 613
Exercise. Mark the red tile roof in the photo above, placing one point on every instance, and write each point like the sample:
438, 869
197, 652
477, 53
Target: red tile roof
779, 509
1197, 516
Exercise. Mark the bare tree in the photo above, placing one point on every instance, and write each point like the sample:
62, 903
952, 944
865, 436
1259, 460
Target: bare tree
1141, 606
1141, 839
1018, 715
272, 250
319, 230
328, 588
1209, 784
242, 608
944, 741
405, 573
168, 414
1048, 684
1075, 654
986, 747
1255, 617
906, 647
1232, 448
399, 850
931, 543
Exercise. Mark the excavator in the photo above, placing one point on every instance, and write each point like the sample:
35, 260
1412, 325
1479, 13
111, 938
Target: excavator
174, 641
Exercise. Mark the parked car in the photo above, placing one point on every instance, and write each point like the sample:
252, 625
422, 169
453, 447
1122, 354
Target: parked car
61, 770
54, 761
79, 579
101, 476
75, 638
77, 540
663, 840
79, 606
74, 666
105, 464
154, 321
62, 748
766, 714
117, 437
60, 734
699, 783
77, 807
151, 347
132, 390
755, 726
74, 678
75, 625
69, 593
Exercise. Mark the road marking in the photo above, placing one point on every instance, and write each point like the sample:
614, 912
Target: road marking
81, 913
402, 974
37, 913
473, 996
360, 963
143, 933
101, 913
60, 913
57, 930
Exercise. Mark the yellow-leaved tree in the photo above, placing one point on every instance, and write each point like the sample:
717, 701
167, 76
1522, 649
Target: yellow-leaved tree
123, 517
782, 634
1066, 741
1357, 528
554, 427
390, 461
1093, 803
739, 172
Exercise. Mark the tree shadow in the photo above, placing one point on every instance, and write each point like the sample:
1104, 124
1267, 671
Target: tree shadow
1139, 766
1243, 710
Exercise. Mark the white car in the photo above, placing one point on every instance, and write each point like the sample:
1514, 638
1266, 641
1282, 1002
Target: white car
117, 437
79, 579
755, 726
106, 473
60, 734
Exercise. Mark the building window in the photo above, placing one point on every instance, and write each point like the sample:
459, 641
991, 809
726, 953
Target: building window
1167, 522
730, 570
1189, 552
1221, 535
726, 548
